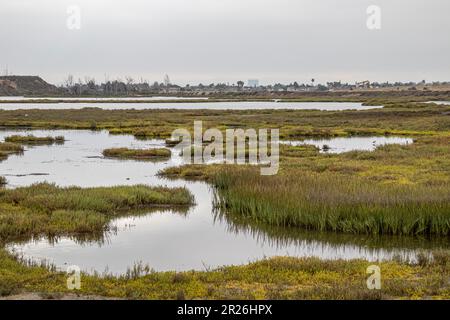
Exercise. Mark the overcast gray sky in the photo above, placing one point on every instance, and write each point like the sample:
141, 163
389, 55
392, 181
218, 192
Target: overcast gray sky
227, 40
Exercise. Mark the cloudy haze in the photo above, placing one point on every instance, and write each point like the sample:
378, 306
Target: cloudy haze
227, 40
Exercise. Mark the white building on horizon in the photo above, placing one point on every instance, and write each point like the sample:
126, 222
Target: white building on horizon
253, 83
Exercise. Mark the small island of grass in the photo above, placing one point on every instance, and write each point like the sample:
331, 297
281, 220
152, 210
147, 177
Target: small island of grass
46, 209
137, 154
33, 140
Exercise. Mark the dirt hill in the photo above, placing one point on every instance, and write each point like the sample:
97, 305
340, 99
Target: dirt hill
25, 85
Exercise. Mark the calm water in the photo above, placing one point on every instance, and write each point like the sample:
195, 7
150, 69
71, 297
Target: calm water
339, 145
247, 105
166, 240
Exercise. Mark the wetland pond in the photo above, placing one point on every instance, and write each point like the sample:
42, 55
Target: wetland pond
170, 240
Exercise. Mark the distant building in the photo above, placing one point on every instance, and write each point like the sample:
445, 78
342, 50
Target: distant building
363, 84
253, 83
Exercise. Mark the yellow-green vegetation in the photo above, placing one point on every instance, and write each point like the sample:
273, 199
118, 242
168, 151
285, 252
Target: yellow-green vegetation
45, 209
208, 172
400, 118
3, 181
242, 153
301, 151
276, 278
138, 154
191, 172
30, 139
7, 149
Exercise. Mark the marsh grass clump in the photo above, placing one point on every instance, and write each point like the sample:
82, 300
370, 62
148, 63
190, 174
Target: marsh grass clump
300, 151
194, 172
33, 140
395, 189
7, 148
3, 181
330, 202
138, 154
47, 209
138, 270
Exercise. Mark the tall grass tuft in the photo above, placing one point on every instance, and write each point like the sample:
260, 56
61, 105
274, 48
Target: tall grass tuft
331, 202
10, 147
7, 148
